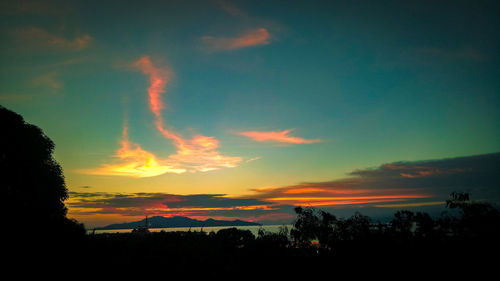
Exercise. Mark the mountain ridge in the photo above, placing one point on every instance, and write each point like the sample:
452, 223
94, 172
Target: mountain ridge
177, 221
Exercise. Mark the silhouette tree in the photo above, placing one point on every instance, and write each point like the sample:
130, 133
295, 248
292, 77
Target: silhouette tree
424, 225
312, 224
32, 185
476, 219
235, 238
403, 223
354, 228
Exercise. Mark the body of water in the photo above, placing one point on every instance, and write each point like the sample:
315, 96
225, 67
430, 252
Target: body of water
253, 228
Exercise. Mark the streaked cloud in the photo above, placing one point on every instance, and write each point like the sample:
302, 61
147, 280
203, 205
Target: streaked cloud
400, 184
337, 193
276, 136
464, 53
36, 38
89, 206
250, 38
382, 190
253, 159
410, 205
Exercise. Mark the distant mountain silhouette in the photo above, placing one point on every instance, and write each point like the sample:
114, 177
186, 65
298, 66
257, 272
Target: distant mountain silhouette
177, 221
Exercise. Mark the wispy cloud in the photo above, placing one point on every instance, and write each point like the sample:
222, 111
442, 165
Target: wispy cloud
230, 8
49, 80
250, 38
198, 154
158, 79
36, 38
276, 136
253, 159
464, 53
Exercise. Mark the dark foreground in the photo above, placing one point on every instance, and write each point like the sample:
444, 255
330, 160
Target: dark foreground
233, 251
460, 243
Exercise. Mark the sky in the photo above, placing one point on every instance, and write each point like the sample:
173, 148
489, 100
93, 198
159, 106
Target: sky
245, 109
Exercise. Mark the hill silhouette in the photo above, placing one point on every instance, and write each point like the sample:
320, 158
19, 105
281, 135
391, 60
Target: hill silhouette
177, 221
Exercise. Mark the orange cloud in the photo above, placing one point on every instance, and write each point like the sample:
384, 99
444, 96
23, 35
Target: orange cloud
198, 154
344, 200
89, 206
134, 161
158, 78
37, 37
337, 193
408, 205
253, 37
277, 136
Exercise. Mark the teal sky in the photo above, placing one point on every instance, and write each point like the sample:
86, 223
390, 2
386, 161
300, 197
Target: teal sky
373, 82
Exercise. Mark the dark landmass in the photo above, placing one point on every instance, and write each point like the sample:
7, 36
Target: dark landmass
177, 221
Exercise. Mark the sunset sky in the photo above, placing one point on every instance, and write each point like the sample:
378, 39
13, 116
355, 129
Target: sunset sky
232, 109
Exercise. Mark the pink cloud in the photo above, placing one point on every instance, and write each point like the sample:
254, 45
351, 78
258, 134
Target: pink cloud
276, 136
253, 37
336, 193
198, 154
158, 78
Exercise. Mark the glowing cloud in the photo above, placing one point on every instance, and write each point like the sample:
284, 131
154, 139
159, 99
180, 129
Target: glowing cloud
122, 206
403, 184
343, 200
334, 194
135, 162
198, 154
158, 78
408, 205
349, 191
253, 37
277, 136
